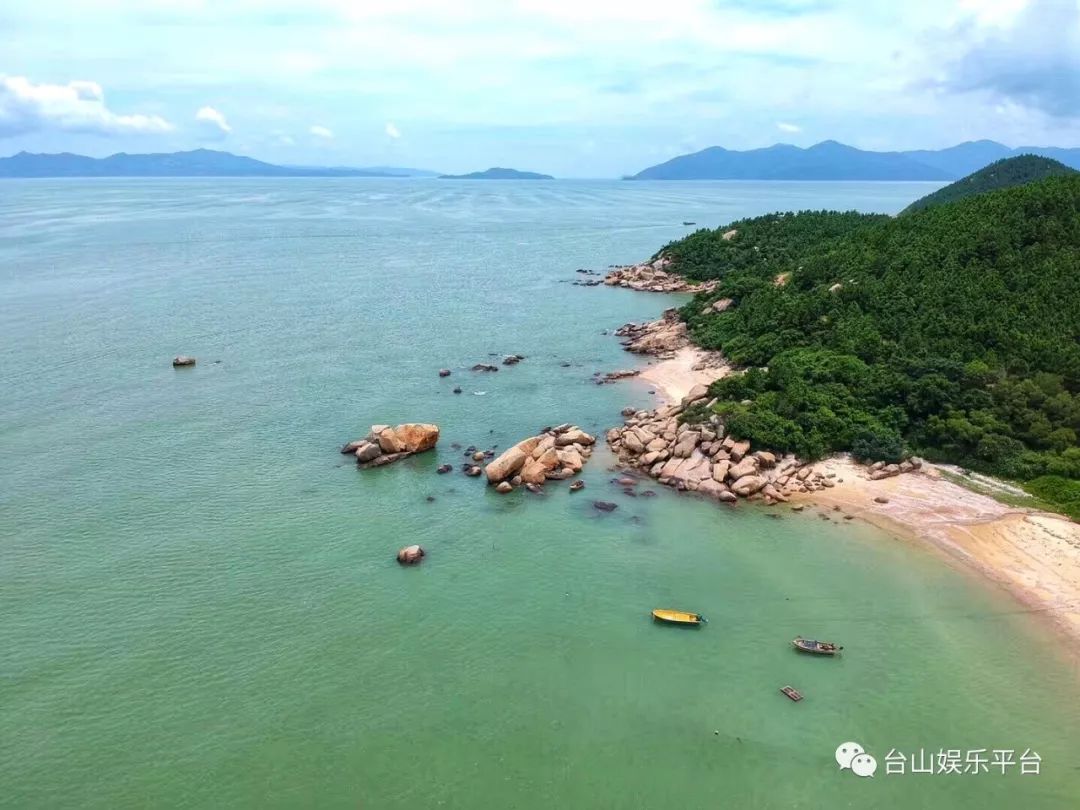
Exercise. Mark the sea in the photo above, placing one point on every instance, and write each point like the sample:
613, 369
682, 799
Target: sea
199, 601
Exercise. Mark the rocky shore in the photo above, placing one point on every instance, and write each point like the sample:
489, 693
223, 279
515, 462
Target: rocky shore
703, 458
654, 277
557, 453
385, 445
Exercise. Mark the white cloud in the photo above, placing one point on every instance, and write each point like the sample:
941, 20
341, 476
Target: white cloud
322, 132
392, 130
783, 126
213, 122
78, 106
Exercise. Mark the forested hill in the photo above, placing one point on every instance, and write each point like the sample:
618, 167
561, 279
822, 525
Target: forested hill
1005, 173
953, 331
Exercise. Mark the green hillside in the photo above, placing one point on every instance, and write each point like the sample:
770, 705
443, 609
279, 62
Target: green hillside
953, 332
1014, 171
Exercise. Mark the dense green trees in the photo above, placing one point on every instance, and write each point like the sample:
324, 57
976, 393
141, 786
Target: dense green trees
1014, 171
953, 331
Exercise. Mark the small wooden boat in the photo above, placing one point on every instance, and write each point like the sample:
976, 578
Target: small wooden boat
815, 647
792, 693
679, 617
689, 223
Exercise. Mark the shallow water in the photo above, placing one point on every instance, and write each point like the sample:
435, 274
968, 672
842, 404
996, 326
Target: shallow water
198, 600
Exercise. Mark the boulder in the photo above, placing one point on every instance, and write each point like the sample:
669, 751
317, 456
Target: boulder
390, 442
512, 359
571, 458
727, 236
728, 496
443, 469
533, 472
410, 555
720, 470
367, 451
748, 485
182, 360
549, 459
722, 305
748, 466
738, 450
632, 443
605, 506
535, 489
699, 391
504, 487
444, 372
484, 367
353, 446
765, 458
474, 471
383, 460
711, 488
417, 437
506, 465
574, 436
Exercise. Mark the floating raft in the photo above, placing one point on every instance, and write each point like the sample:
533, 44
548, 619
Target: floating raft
792, 693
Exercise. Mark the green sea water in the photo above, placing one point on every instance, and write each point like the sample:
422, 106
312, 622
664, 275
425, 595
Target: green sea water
199, 604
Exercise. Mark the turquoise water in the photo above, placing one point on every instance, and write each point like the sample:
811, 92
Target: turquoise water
199, 605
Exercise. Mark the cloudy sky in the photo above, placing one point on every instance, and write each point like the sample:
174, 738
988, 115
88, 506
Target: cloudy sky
587, 88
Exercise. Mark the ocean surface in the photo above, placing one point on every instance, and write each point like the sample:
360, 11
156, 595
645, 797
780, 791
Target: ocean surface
199, 604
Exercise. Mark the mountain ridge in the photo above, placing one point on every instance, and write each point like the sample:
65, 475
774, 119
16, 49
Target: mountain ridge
831, 160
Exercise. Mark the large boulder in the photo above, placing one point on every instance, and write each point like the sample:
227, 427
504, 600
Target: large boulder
533, 472
506, 465
417, 437
748, 466
574, 436
390, 442
699, 391
748, 485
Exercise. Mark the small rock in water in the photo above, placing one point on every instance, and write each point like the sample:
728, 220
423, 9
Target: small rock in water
881, 499
535, 489
182, 360
457, 390
504, 487
410, 555
444, 372
474, 472
485, 367
605, 506
444, 469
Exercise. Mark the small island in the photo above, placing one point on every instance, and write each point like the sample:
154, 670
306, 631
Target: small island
497, 174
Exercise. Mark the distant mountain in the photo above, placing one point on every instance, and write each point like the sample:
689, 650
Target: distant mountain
830, 160
1014, 171
497, 174
196, 163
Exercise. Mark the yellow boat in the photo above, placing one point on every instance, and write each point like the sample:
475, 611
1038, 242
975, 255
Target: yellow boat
679, 617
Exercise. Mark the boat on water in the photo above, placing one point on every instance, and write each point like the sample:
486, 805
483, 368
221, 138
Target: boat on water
815, 647
792, 693
679, 617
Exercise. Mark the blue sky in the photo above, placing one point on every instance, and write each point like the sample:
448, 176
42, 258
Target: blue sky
585, 88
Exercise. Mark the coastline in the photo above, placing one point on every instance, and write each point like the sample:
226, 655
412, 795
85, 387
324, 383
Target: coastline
1034, 555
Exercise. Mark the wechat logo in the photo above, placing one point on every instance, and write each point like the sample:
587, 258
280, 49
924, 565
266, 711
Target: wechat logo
853, 756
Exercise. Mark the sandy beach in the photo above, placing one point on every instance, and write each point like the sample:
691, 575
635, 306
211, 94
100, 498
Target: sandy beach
1035, 555
674, 377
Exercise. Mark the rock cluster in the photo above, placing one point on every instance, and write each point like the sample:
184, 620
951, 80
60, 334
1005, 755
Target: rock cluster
385, 444
662, 337
879, 469
556, 454
614, 376
654, 277
701, 458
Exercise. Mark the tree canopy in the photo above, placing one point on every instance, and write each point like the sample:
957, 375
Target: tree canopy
952, 331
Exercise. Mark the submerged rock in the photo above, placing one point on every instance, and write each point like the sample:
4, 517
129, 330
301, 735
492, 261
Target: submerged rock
605, 506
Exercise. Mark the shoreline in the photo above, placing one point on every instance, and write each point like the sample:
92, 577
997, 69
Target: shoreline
1033, 555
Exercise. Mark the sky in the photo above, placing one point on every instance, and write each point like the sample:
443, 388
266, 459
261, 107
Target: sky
574, 88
